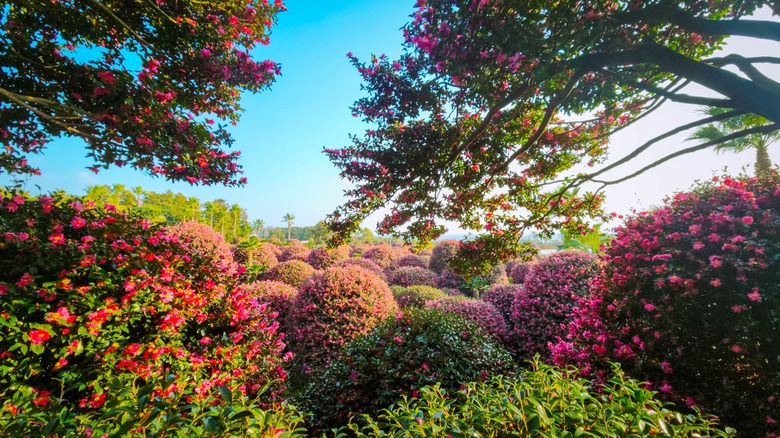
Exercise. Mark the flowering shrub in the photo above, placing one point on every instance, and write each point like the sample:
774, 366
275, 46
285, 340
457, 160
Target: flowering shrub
365, 264
442, 253
497, 275
292, 272
689, 299
333, 307
93, 299
520, 271
255, 257
416, 296
357, 250
201, 238
276, 295
294, 252
410, 276
382, 255
502, 297
482, 313
411, 260
550, 292
398, 357
560, 405
450, 280
323, 257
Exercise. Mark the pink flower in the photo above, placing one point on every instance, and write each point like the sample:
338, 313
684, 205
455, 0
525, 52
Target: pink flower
106, 77
398, 339
754, 295
747, 220
736, 348
697, 246
649, 307
25, 280
39, 336
78, 222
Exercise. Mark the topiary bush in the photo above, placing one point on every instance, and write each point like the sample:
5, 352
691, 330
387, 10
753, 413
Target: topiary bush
544, 402
502, 297
411, 260
416, 296
450, 280
410, 276
482, 313
549, 295
333, 307
689, 299
276, 295
365, 264
93, 302
398, 357
383, 255
292, 272
441, 255
256, 257
202, 239
520, 271
323, 257
293, 252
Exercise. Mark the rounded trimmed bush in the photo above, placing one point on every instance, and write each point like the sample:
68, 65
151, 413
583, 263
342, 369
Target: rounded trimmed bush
545, 305
450, 280
411, 276
293, 252
416, 296
689, 299
520, 271
480, 312
201, 238
292, 272
382, 255
277, 295
502, 296
256, 259
411, 260
365, 264
398, 357
357, 250
333, 307
496, 276
323, 257
97, 304
442, 253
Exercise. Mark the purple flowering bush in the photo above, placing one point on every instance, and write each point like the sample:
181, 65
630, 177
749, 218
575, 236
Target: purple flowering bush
292, 272
331, 308
323, 257
383, 255
365, 264
412, 260
450, 280
201, 238
441, 255
296, 251
502, 296
276, 295
689, 299
410, 276
519, 271
550, 293
397, 358
482, 313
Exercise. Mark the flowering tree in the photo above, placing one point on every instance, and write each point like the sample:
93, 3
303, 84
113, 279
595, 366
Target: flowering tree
492, 102
141, 82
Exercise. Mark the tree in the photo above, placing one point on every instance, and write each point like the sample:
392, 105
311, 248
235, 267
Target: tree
590, 242
757, 141
258, 227
289, 218
492, 104
142, 83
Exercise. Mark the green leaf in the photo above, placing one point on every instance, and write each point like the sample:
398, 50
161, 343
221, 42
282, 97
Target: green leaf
36, 348
145, 390
226, 393
240, 415
211, 424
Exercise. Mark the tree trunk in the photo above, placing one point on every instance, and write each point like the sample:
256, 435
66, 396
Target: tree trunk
763, 162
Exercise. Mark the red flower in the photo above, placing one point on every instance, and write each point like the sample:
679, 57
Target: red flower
39, 336
42, 399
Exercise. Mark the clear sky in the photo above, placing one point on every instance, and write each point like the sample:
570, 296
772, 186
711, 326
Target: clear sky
283, 130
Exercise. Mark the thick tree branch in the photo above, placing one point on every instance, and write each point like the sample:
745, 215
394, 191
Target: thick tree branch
665, 13
746, 67
746, 94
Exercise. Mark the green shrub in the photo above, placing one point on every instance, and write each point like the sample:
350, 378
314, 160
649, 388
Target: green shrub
398, 357
416, 296
544, 402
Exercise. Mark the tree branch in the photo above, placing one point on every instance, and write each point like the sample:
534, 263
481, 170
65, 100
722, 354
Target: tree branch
745, 66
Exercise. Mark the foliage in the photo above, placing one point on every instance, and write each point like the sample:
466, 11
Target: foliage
203, 240
294, 252
481, 313
544, 402
93, 299
410, 276
277, 296
411, 260
398, 357
502, 297
689, 300
416, 296
255, 257
589, 242
142, 83
441, 255
520, 271
451, 280
493, 107
292, 272
365, 264
323, 257
331, 308
383, 255
547, 300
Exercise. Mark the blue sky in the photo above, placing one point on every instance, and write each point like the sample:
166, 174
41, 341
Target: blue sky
283, 130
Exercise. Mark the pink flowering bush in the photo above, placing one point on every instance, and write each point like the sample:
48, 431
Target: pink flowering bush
410, 276
255, 257
292, 272
550, 293
96, 305
333, 307
520, 271
482, 313
502, 297
277, 296
411, 260
357, 250
402, 354
201, 238
416, 296
365, 264
441, 255
323, 257
293, 252
450, 280
689, 299
383, 255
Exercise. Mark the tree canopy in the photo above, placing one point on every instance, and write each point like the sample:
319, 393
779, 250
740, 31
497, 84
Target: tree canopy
492, 102
150, 84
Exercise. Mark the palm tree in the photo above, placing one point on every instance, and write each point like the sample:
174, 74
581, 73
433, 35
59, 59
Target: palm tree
759, 141
257, 226
590, 242
289, 218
